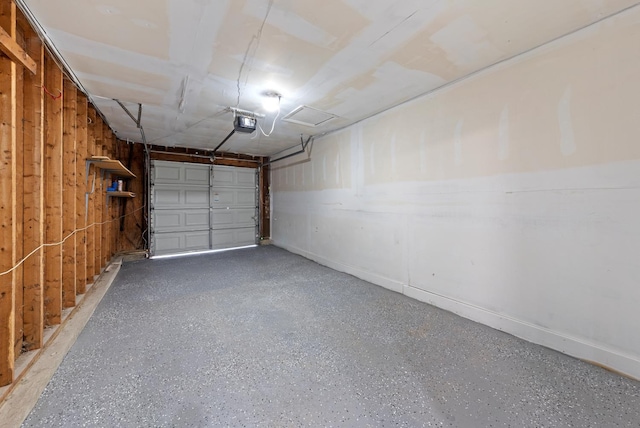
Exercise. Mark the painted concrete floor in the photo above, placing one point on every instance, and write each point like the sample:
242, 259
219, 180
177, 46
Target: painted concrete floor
261, 337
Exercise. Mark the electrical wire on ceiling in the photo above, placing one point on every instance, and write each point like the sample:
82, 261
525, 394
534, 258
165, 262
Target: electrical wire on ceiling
255, 38
274, 122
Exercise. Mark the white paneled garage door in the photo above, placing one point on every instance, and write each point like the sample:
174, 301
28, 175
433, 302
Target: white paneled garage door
200, 207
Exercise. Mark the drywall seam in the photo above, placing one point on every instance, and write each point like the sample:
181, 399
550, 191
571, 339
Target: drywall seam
568, 140
524, 204
457, 143
503, 134
482, 71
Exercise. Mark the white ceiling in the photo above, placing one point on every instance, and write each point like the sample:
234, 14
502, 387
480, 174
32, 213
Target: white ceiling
187, 61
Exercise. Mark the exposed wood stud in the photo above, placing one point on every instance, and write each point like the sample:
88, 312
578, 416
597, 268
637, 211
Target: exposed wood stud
69, 195
130, 237
81, 188
19, 201
99, 198
90, 211
106, 211
7, 199
33, 196
113, 207
44, 143
53, 196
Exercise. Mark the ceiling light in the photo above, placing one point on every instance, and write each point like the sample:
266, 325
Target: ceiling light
271, 101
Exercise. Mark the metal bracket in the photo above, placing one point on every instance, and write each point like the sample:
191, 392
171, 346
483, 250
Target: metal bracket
137, 121
126, 110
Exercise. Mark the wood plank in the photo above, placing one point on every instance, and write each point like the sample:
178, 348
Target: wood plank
14, 51
81, 188
120, 206
53, 195
113, 207
106, 216
99, 199
174, 157
131, 226
33, 123
90, 213
7, 200
207, 153
137, 225
69, 195
33, 196
121, 194
19, 218
112, 166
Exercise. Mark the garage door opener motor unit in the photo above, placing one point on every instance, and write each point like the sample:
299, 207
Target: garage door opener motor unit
244, 123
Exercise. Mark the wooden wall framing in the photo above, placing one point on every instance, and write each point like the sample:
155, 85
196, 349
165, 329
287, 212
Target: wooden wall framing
48, 129
8, 203
58, 227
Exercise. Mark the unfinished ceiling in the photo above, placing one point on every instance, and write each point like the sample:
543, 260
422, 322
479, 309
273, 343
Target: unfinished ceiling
188, 61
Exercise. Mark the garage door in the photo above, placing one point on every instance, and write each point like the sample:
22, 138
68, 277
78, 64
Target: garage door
200, 207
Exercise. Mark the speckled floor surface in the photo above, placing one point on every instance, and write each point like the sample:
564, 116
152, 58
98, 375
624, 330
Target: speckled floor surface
261, 337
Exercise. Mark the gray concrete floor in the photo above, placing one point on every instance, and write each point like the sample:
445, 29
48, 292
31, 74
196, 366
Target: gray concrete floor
261, 337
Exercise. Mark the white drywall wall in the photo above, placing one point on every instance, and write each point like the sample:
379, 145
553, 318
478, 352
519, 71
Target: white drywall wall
511, 198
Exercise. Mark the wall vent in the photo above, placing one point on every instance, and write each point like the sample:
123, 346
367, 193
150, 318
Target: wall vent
309, 116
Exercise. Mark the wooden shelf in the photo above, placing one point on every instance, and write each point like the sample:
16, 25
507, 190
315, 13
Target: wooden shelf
112, 166
109, 166
121, 194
